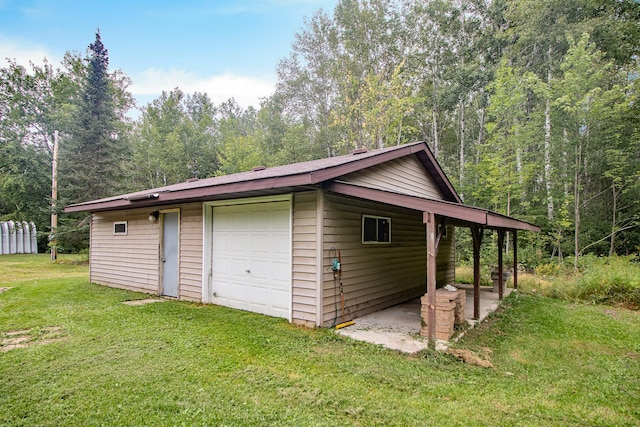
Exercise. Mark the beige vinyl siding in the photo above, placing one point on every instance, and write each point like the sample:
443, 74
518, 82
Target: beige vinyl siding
406, 175
132, 261
191, 252
125, 261
445, 261
375, 276
379, 275
304, 259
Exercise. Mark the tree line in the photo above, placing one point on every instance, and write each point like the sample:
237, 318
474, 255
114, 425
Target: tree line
530, 106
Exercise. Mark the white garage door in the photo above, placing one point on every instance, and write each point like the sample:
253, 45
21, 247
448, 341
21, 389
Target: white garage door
251, 267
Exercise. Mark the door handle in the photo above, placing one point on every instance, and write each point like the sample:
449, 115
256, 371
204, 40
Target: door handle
163, 259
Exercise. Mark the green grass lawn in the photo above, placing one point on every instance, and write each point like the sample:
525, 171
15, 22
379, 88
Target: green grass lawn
178, 363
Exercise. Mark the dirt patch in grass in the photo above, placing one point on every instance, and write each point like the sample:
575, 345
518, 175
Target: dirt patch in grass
612, 313
28, 337
517, 356
143, 301
4, 290
469, 357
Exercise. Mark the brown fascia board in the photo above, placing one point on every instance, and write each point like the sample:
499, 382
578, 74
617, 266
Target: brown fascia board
439, 207
192, 194
434, 169
186, 196
496, 220
463, 214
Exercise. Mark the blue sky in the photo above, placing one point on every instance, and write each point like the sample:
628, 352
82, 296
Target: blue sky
222, 47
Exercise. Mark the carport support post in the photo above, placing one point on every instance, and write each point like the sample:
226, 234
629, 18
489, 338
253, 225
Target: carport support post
500, 263
515, 259
477, 234
430, 219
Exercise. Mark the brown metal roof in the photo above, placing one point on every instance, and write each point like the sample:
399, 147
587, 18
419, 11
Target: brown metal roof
294, 175
316, 174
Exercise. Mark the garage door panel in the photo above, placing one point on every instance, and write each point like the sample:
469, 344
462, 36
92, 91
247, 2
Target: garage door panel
279, 220
223, 223
239, 267
279, 244
260, 270
259, 220
280, 272
237, 291
280, 294
221, 268
238, 242
251, 257
259, 296
260, 243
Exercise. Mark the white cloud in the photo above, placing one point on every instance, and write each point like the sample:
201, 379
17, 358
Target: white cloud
23, 53
244, 89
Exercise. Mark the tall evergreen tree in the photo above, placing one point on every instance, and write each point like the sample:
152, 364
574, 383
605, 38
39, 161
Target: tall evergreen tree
93, 157
92, 160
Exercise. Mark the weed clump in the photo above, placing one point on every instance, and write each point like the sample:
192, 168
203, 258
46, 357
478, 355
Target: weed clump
601, 280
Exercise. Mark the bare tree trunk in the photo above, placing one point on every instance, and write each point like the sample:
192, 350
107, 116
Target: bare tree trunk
462, 143
481, 112
547, 143
434, 125
508, 214
576, 197
462, 99
565, 180
434, 112
519, 167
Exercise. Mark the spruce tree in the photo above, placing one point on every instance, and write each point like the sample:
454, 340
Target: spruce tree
91, 160
92, 155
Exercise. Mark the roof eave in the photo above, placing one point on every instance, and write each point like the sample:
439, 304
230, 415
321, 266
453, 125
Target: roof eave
193, 195
460, 213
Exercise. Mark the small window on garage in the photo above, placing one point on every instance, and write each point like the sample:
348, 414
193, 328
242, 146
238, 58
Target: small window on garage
120, 228
376, 229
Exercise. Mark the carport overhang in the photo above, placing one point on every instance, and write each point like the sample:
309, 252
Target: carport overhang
437, 213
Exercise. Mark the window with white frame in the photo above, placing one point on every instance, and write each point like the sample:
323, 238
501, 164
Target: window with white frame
376, 229
120, 228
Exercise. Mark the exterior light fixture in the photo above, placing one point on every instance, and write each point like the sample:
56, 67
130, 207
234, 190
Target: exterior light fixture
153, 216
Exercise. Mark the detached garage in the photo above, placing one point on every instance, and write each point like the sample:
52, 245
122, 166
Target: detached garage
267, 240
